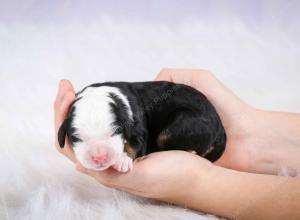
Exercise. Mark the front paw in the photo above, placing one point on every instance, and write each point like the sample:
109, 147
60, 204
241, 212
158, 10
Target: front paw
124, 163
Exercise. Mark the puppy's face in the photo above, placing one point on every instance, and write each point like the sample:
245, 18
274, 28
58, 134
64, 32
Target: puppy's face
94, 126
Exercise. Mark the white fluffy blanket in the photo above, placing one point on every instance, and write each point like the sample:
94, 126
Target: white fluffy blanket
259, 61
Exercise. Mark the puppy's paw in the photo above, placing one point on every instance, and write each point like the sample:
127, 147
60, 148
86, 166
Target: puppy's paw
124, 163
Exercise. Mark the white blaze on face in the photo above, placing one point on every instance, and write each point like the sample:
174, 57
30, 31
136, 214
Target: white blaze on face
93, 120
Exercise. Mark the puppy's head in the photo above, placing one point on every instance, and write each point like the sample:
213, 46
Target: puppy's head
97, 125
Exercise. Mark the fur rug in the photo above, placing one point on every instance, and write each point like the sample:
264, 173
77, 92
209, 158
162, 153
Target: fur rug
259, 63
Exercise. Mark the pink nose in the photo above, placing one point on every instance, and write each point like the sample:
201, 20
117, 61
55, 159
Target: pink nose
99, 158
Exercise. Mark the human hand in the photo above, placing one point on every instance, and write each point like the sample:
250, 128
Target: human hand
186, 179
236, 116
239, 120
257, 141
65, 96
167, 175
158, 175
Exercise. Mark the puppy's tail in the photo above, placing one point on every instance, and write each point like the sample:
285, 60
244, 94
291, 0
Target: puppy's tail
218, 148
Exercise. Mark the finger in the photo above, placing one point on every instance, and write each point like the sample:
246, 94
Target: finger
100, 176
164, 75
129, 182
64, 86
60, 114
80, 168
112, 177
66, 83
62, 109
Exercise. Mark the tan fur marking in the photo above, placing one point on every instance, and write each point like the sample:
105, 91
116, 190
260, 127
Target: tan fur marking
130, 151
162, 138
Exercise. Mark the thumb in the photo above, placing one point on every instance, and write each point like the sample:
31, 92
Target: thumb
81, 169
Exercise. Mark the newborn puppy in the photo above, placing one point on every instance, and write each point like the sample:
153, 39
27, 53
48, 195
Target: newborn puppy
112, 123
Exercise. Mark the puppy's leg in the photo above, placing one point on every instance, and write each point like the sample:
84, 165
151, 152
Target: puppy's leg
191, 131
124, 163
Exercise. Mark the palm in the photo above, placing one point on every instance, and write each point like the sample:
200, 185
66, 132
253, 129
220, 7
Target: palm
154, 175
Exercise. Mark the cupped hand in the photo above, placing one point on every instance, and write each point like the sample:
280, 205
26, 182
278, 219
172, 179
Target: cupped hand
237, 117
186, 179
162, 175
65, 96
159, 175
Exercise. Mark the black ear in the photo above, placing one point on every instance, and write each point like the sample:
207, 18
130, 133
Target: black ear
62, 132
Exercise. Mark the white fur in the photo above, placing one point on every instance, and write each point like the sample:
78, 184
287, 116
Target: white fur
259, 62
93, 121
93, 116
124, 163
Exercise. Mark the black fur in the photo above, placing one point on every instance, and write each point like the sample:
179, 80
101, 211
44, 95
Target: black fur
166, 116
67, 130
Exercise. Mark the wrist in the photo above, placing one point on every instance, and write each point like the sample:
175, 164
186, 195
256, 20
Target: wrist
199, 191
210, 189
275, 142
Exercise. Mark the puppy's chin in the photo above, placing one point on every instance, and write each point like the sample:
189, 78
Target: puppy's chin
96, 167
84, 157
99, 168
87, 162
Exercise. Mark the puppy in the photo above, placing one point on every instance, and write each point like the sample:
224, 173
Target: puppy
112, 123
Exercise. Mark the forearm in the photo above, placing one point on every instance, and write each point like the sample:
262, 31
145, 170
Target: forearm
284, 125
278, 134
239, 195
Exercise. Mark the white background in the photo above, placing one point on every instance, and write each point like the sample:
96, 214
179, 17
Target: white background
252, 46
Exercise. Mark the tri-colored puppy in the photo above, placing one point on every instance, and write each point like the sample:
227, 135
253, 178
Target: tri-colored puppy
112, 123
